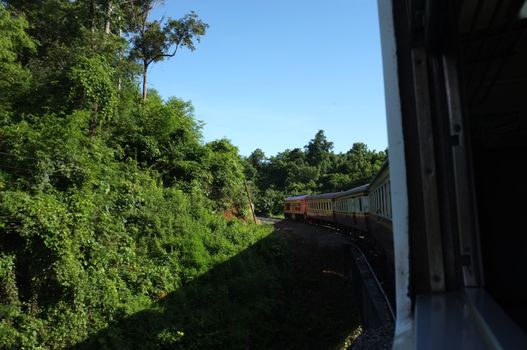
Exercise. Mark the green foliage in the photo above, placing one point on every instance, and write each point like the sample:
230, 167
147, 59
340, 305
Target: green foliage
154, 41
318, 149
14, 77
227, 173
87, 237
106, 204
315, 169
93, 88
270, 202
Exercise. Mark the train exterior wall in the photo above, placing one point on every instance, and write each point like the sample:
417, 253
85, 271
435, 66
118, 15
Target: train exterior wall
295, 207
380, 216
320, 214
320, 209
355, 221
380, 229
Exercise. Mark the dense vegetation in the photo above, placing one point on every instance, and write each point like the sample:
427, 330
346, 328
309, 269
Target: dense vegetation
116, 226
108, 201
315, 169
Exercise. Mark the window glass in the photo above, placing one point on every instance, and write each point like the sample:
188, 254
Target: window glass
382, 200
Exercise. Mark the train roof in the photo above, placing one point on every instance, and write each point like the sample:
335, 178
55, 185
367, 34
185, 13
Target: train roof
298, 197
381, 170
359, 189
324, 195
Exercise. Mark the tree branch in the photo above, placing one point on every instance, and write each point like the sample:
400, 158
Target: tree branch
164, 55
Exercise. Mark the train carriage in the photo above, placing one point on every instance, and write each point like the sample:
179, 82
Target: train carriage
351, 208
320, 207
380, 211
295, 207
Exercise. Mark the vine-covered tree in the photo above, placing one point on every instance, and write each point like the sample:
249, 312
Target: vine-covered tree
15, 79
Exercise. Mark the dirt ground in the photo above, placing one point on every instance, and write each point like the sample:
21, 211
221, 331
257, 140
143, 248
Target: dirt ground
326, 314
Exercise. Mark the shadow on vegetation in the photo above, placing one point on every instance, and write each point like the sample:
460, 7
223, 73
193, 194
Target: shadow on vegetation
280, 293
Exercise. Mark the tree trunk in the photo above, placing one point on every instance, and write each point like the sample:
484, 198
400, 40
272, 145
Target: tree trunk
145, 69
107, 21
92, 14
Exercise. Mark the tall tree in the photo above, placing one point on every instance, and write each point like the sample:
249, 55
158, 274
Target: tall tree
318, 149
154, 41
14, 77
257, 159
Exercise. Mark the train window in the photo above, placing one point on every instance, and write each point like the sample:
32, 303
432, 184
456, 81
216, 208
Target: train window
386, 200
360, 205
382, 200
389, 200
381, 192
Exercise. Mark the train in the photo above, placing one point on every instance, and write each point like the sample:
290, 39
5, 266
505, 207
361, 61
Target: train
363, 211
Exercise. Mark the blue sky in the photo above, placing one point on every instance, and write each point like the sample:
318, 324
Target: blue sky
270, 74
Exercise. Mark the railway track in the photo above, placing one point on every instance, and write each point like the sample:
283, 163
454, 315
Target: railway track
376, 304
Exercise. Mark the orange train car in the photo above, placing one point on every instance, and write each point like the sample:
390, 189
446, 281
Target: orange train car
295, 207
